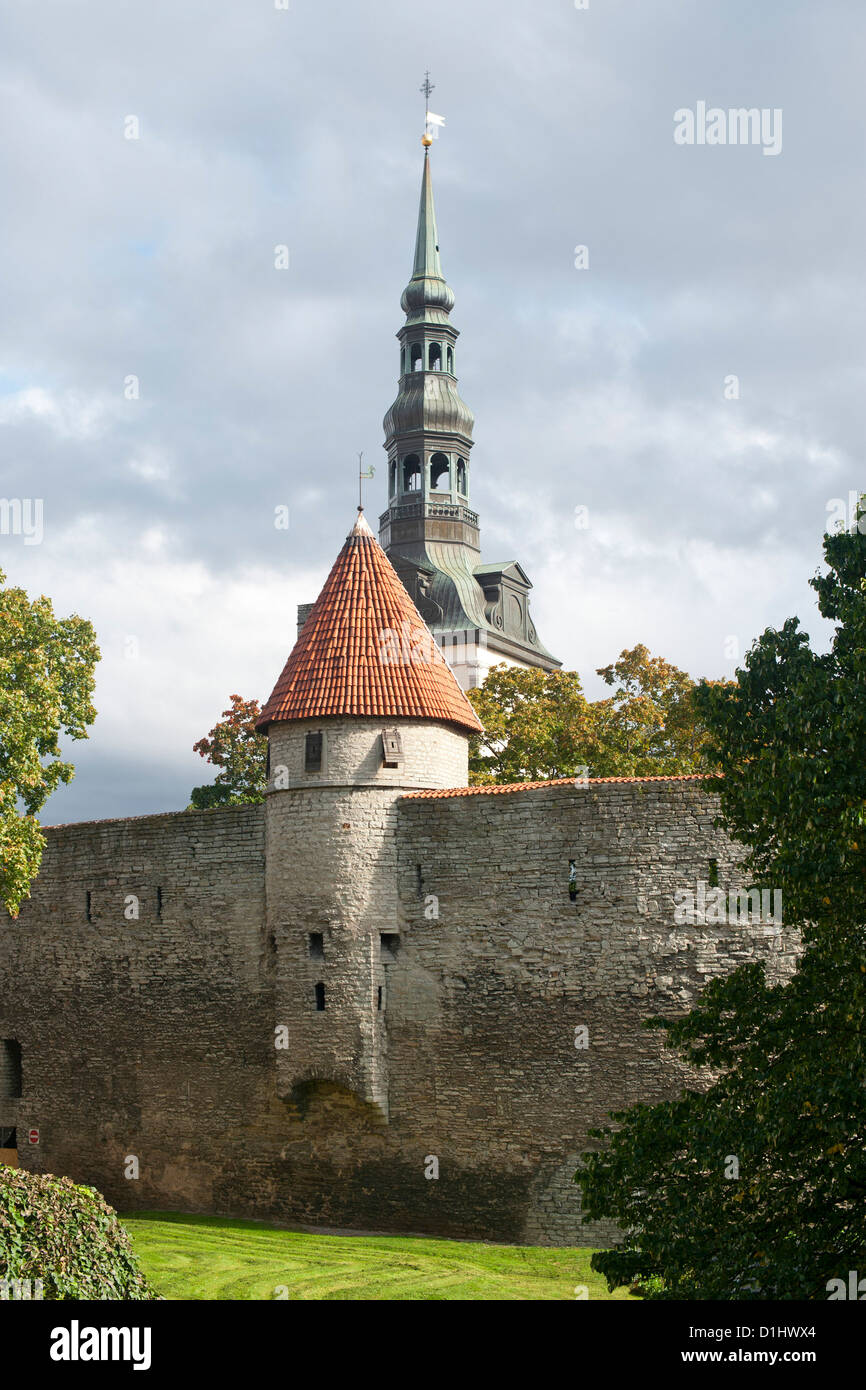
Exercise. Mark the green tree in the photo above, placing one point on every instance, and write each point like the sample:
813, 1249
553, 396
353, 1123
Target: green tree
240, 752
540, 725
653, 728
536, 725
46, 684
789, 1096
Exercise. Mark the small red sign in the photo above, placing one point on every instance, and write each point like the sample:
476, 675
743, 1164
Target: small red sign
33, 1136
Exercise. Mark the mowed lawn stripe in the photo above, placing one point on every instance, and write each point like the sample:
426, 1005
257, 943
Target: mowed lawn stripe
211, 1258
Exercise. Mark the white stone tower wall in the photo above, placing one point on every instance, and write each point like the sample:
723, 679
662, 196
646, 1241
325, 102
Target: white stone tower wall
331, 872
434, 755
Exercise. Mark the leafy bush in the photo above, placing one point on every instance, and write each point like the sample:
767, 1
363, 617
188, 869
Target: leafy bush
67, 1236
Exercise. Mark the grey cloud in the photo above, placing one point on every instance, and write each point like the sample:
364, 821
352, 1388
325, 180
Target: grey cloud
258, 386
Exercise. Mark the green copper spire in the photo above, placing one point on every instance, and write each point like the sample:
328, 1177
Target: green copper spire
427, 296
427, 242
429, 412
429, 530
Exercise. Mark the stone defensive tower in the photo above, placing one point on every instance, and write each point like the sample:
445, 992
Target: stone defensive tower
365, 710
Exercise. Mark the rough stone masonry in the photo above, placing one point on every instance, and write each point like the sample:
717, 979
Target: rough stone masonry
364, 1003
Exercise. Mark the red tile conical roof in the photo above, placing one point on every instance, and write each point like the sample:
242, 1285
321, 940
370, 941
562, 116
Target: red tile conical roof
366, 650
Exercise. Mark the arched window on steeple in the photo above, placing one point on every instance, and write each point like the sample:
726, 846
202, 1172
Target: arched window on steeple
416, 358
434, 357
450, 358
392, 478
440, 473
411, 473
461, 477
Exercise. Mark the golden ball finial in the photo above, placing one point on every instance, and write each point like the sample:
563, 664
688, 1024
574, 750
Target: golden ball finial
426, 140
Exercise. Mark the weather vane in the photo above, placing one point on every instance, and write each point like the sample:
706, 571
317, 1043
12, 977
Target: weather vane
430, 117
371, 472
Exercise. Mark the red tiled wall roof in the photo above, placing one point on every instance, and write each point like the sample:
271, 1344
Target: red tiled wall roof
497, 788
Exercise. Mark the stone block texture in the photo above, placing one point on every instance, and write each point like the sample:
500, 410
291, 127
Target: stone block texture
162, 984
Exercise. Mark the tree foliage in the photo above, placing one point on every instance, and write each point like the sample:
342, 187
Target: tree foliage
540, 725
67, 1237
789, 1098
240, 752
46, 684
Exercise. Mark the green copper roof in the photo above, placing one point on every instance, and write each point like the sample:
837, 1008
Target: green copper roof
427, 290
429, 533
427, 260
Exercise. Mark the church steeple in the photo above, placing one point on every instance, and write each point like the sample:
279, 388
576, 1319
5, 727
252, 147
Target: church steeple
429, 532
427, 288
428, 430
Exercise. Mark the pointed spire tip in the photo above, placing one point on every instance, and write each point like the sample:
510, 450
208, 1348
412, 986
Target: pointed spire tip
361, 527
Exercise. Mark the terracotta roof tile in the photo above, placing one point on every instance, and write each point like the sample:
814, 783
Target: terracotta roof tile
498, 788
366, 650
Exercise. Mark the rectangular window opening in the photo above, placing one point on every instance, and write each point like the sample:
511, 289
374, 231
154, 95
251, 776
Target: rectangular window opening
379, 999
713, 874
320, 998
159, 904
389, 943
572, 880
313, 753
317, 945
88, 907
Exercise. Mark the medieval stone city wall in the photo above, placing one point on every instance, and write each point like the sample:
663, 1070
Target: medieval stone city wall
141, 1035
456, 969
486, 997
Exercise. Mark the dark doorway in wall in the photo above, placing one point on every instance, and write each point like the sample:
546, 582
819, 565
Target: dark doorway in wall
10, 1069
8, 1147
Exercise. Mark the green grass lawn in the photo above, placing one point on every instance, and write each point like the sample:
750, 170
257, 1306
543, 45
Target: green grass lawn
205, 1257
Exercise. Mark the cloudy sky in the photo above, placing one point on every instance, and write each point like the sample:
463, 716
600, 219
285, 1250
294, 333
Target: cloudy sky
602, 387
